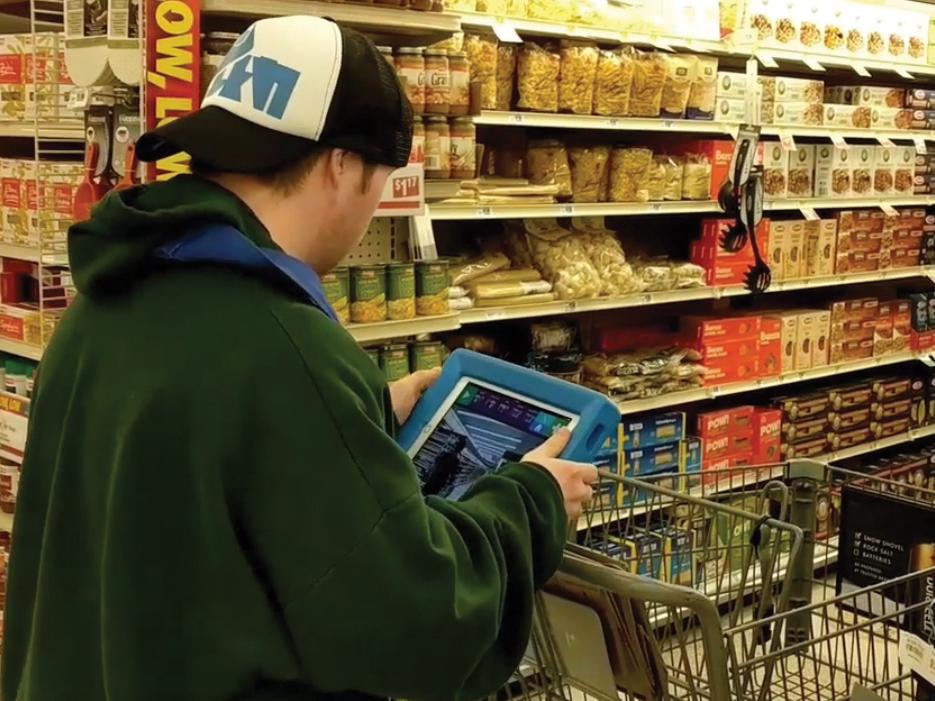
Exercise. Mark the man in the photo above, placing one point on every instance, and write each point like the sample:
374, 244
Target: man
213, 505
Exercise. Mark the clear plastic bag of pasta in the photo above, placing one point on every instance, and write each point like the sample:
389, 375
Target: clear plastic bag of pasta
629, 173
555, 10
656, 181
482, 58
461, 5
696, 178
649, 79
492, 7
562, 258
516, 246
547, 164
589, 172
506, 69
537, 77
687, 275
672, 173
576, 84
612, 81
608, 258
517, 8
656, 275
680, 73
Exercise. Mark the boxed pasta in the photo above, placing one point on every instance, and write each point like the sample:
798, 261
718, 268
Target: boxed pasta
884, 170
806, 334
793, 254
778, 235
822, 342
891, 118
832, 171
820, 247
799, 90
920, 99
731, 110
862, 159
775, 170
731, 86
851, 116
800, 180
798, 114
903, 170
922, 119
866, 95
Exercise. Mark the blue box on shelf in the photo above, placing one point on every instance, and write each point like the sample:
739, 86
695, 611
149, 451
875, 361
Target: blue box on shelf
649, 431
652, 460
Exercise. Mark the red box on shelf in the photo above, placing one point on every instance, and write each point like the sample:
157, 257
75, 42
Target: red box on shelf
736, 420
717, 470
726, 446
721, 274
723, 329
767, 436
923, 341
770, 346
731, 370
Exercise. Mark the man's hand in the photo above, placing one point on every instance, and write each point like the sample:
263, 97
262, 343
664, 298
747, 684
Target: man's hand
406, 392
574, 478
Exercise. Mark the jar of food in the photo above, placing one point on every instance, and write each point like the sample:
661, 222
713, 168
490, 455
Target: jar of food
460, 87
437, 81
410, 65
432, 288
368, 294
335, 284
417, 155
426, 355
400, 291
437, 148
463, 143
394, 361
387, 53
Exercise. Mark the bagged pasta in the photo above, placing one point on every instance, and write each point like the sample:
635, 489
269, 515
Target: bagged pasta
607, 256
461, 5
703, 94
696, 178
459, 274
576, 83
547, 164
672, 173
680, 73
656, 181
517, 8
629, 171
612, 81
588, 172
492, 7
516, 247
537, 76
562, 259
555, 10
482, 58
649, 79
506, 68
688, 275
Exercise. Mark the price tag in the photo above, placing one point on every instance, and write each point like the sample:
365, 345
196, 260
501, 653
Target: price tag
506, 32
787, 141
885, 141
733, 131
495, 315
813, 64
860, 69
667, 123
917, 655
566, 210
613, 122
903, 73
655, 206
647, 299
516, 118
838, 140
662, 45
920, 145
888, 209
485, 211
767, 60
809, 213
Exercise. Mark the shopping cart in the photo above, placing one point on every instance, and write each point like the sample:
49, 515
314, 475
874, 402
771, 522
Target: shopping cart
719, 590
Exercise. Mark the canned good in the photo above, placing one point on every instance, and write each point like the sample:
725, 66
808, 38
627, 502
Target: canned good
432, 288
335, 285
368, 294
394, 361
426, 355
374, 354
400, 291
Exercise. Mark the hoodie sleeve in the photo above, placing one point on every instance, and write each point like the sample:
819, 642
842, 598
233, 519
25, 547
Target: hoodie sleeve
384, 592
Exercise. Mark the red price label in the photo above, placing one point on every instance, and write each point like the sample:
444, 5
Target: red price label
407, 186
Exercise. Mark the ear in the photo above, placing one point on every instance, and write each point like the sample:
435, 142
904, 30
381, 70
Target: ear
337, 163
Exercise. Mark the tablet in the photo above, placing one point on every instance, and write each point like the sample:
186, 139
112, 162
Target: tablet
483, 413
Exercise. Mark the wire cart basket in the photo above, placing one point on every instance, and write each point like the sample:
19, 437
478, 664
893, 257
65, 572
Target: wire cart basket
719, 590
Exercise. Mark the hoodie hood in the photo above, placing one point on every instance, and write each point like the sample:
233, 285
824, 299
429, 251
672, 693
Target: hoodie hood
116, 246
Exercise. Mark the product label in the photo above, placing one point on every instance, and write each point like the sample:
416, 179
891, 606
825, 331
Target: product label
367, 284
400, 282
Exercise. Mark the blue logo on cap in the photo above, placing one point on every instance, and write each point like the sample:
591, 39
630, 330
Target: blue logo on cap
273, 83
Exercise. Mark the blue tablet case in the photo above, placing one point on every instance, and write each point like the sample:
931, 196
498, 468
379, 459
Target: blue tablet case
598, 416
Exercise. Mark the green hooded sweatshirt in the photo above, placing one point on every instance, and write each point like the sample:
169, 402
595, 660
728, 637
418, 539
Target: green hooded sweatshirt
213, 505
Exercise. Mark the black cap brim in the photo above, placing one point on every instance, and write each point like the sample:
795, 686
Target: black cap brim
222, 141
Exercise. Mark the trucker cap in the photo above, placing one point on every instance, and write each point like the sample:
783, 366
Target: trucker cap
287, 86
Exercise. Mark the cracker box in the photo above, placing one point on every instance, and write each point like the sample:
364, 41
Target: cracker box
891, 118
793, 256
920, 99
724, 422
832, 171
903, 170
732, 86
884, 170
847, 116
848, 351
820, 247
806, 334
801, 175
731, 110
770, 348
883, 331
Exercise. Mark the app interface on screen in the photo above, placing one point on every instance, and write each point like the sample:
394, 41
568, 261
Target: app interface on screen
481, 431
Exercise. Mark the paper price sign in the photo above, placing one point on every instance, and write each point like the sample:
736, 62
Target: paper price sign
404, 193
917, 655
919, 142
838, 140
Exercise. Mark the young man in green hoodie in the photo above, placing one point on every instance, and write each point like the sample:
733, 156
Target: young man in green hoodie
213, 505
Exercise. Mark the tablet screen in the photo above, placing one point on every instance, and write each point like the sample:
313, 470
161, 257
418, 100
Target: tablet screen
482, 429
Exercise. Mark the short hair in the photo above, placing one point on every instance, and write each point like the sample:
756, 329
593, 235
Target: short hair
286, 179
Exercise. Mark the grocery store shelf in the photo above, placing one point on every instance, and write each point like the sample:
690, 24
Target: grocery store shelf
6, 521
31, 253
576, 121
420, 27
768, 54
545, 28
848, 133
384, 330
457, 212
27, 130
23, 350
881, 444
704, 393
454, 212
